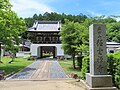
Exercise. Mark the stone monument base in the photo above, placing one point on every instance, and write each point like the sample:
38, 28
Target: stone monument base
99, 82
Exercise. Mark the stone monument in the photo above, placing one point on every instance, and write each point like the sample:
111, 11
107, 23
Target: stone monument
98, 79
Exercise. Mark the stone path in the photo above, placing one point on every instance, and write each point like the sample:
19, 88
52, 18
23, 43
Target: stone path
41, 70
56, 71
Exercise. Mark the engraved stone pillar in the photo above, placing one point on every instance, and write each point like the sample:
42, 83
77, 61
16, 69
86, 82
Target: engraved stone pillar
98, 79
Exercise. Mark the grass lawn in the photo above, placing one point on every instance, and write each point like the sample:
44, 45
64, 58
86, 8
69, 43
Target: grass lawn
68, 68
17, 65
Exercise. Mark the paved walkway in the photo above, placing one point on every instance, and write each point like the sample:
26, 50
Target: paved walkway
41, 70
41, 75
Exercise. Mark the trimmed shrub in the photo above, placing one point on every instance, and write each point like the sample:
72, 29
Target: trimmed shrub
111, 65
114, 67
117, 55
85, 66
117, 75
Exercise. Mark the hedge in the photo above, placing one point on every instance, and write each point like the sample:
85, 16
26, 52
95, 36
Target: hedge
113, 67
85, 66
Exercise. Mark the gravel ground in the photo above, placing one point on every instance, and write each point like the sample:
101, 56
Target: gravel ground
26, 73
56, 72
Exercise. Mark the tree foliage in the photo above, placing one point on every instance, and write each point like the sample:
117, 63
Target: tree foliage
113, 31
11, 26
111, 23
53, 16
74, 38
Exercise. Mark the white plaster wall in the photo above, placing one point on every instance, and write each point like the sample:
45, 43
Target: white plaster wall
23, 54
118, 49
38, 50
60, 51
111, 48
2, 51
34, 47
19, 54
67, 56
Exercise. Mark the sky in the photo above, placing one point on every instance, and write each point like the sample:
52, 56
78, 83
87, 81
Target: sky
27, 8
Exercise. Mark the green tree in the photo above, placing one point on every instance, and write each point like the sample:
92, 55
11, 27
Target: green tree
83, 39
12, 49
113, 31
53, 16
11, 26
70, 34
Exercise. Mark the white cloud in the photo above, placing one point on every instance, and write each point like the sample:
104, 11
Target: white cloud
117, 19
92, 13
26, 8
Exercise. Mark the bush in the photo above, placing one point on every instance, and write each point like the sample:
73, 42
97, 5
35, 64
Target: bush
85, 66
117, 55
114, 67
117, 73
111, 65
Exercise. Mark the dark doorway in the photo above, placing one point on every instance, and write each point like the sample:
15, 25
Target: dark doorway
48, 51
111, 51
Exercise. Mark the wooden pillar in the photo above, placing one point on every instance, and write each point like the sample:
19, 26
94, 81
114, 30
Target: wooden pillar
58, 38
41, 53
53, 52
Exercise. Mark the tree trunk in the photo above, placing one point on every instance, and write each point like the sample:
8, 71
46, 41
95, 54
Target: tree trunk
73, 57
12, 57
0, 54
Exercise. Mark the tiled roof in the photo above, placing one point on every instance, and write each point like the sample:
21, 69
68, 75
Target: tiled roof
113, 43
46, 26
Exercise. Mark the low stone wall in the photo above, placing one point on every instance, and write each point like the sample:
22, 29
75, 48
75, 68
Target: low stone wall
60, 57
23, 54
